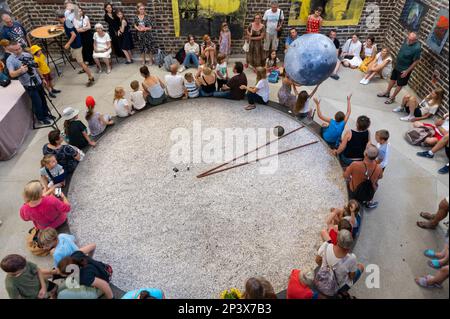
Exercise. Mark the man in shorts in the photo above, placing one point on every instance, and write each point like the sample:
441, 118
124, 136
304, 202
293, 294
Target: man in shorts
273, 18
74, 43
407, 59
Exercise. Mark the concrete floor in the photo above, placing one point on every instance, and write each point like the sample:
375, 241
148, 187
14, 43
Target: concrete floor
389, 236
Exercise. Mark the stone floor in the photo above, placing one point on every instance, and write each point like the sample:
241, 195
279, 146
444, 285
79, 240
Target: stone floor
389, 237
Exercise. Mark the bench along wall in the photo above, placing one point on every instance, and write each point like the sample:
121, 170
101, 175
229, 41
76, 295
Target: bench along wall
379, 18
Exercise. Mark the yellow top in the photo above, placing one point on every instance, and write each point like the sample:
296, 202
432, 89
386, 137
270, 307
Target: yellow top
42, 64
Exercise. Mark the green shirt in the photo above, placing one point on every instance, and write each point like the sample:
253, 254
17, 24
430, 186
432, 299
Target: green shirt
407, 55
25, 286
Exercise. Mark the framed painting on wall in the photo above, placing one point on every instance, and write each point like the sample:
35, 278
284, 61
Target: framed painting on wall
412, 14
439, 33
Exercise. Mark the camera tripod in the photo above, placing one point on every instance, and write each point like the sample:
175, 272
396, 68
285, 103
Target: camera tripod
34, 82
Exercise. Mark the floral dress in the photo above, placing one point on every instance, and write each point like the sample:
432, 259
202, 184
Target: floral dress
145, 39
255, 55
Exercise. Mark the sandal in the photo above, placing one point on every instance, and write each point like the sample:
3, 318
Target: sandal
250, 107
389, 101
423, 282
425, 225
427, 216
430, 253
434, 263
383, 95
81, 72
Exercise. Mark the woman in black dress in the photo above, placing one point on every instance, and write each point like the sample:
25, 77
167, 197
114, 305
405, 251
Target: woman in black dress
113, 29
126, 40
83, 26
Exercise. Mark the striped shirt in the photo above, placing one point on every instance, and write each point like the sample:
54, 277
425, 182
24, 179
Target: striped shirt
192, 89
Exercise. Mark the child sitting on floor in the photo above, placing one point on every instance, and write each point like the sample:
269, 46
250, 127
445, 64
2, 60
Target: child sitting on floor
331, 233
191, 85
75, 131
62, 245
25, 280
332, 129
44, 70
137, 97
52, 174
221, 71
349, 212
97, 122
201, 65
383, 145
272, 62
121, 105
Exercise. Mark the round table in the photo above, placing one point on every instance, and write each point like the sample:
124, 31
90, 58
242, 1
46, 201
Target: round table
47, 38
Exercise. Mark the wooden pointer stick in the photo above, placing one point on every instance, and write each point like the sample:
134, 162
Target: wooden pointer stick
257, 160
259, 147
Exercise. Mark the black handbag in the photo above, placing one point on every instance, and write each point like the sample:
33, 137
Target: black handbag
4, 80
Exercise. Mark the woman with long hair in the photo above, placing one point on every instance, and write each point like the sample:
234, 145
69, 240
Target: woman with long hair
259, 93
113, 28
126, 40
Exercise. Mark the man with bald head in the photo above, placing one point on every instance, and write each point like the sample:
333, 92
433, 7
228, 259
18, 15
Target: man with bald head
359, 172
14, 31
407, 59
175, 84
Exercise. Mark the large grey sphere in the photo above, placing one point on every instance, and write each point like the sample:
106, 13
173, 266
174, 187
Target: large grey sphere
311, 59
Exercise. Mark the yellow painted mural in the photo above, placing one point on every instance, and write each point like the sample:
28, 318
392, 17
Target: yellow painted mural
220, 6
197, 16
336, 12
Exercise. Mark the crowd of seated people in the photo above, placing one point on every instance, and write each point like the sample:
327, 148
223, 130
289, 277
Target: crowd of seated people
363, 158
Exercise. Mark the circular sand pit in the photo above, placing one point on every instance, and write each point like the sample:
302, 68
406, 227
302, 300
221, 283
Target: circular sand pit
194, 237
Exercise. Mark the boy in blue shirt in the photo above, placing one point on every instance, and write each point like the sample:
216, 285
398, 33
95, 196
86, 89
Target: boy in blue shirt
332, 129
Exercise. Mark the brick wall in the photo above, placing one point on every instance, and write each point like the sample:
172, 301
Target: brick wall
389, 32
420, 80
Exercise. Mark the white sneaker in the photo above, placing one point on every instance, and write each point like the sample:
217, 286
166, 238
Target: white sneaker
399, 109
181, 69
406, 118
362, 81
366, 81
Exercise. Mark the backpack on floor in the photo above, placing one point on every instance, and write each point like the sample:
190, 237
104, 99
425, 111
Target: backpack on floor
273, 77
365, 191
159, 58
168, 61
418, 135
181, 55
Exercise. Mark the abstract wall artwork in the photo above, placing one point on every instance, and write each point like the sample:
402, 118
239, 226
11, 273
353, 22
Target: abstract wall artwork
199, 17
439, 33
335, 12
412, 14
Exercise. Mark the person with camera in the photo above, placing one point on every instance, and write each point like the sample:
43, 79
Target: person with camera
21, 65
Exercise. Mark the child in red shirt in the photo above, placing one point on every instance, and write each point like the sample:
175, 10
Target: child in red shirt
315, 21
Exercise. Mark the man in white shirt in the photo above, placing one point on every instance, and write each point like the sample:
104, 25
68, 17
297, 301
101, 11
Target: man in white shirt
273, 18
175, 84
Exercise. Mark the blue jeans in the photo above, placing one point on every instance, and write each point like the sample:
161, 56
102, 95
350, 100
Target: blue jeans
205, 94
223, 94
191, 60
38, 102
